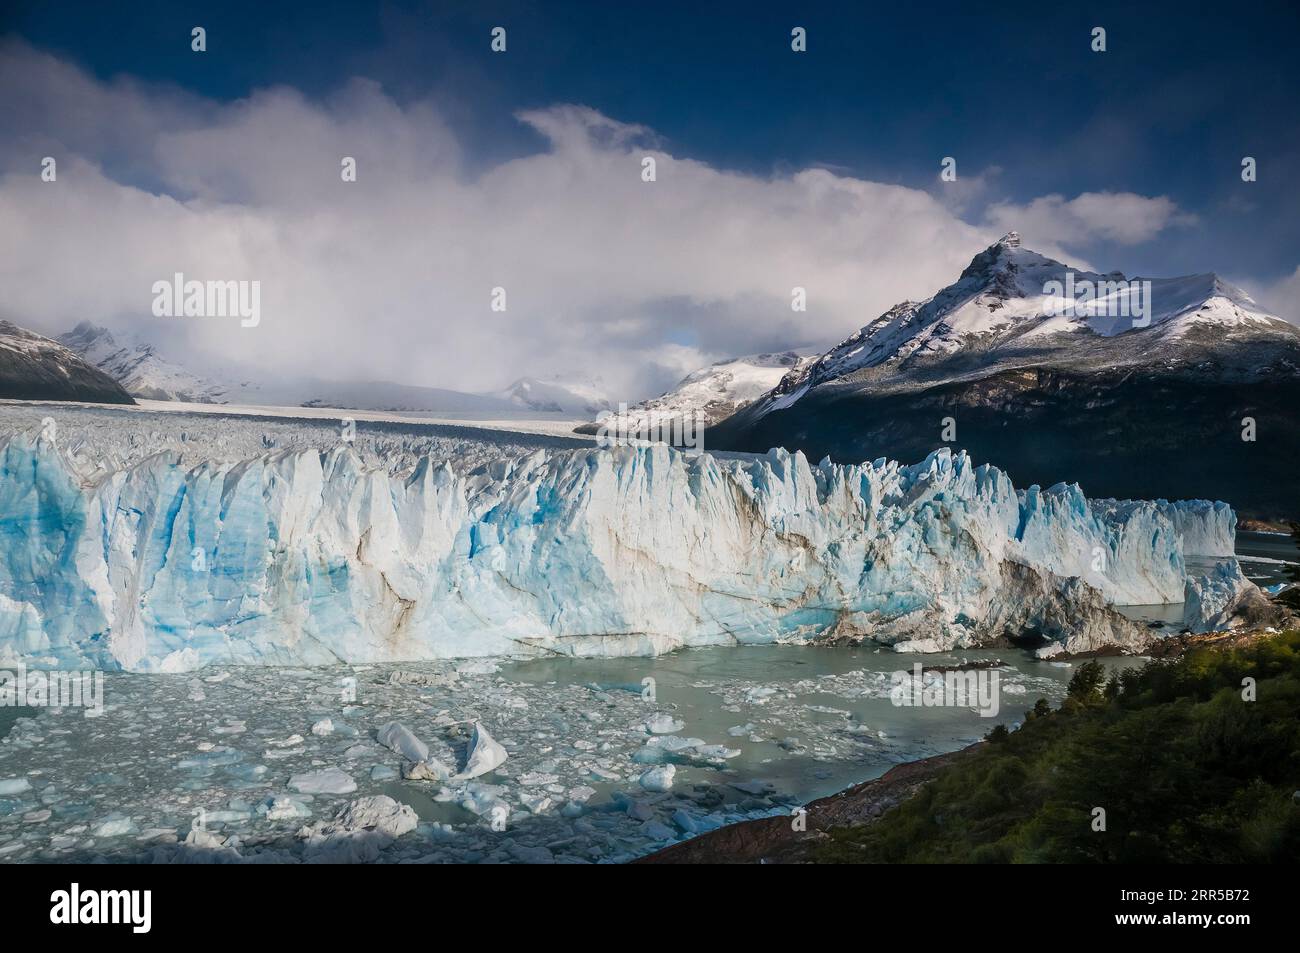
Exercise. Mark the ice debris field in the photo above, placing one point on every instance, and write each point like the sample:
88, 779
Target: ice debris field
166, 542
562, 760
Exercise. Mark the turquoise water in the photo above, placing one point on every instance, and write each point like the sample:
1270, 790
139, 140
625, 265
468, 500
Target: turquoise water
829, 722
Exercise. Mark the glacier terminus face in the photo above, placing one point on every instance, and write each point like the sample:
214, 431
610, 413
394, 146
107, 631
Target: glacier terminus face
309, 556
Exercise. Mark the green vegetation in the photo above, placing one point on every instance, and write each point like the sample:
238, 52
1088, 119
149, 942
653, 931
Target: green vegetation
1186, 769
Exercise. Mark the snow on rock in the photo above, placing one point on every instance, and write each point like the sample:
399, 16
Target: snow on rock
557, 395
999, 309
308, 557
138, 367
483, 755
714, 392
34, 367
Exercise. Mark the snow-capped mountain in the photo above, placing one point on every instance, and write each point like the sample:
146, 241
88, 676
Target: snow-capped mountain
1132, 387
719, 390
139, 368
556, 395
33, 367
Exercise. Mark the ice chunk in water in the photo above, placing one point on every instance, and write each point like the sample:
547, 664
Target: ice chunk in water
484, 754
401, 739
662, 723
326, 781
323, 727
659, 778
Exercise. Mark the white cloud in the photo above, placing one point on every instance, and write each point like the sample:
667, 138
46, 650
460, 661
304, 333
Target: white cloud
966, 192
391, 276
1121, 217
1282, 297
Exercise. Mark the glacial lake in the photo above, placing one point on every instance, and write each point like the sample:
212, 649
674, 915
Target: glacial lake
746, 732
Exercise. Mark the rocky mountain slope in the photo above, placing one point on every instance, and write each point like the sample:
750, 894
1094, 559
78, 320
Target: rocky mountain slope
33, 367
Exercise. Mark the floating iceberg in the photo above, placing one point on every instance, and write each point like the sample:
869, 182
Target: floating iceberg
483, 754
304, 557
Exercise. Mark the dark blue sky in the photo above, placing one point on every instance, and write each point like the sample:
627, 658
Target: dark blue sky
1183, 92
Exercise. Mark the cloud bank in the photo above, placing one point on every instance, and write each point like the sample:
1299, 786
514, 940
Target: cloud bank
392, 276
1120, 217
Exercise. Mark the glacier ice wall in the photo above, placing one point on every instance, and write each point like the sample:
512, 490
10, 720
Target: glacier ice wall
1225, 599
1206, 528
306, 557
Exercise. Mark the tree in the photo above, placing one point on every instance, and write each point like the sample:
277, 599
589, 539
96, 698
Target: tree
1088, 681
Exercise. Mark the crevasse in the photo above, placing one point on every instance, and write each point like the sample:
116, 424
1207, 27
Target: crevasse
308, 557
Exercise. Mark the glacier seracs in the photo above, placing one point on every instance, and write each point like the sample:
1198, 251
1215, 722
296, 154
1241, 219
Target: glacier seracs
311, 557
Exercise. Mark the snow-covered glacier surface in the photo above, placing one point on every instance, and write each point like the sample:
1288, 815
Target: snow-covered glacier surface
309, 556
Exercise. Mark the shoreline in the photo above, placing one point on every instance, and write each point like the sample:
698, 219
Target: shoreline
774, 839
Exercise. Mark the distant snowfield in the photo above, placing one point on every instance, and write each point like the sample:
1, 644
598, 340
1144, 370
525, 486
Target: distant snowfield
527, 422
535, 422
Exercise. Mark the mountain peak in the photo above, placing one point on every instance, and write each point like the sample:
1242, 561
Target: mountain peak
996, 265
86, 335
1008, 308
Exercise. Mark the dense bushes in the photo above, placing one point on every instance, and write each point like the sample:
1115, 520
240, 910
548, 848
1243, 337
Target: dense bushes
1185, 768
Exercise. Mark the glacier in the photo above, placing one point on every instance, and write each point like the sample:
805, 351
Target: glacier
306, 557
